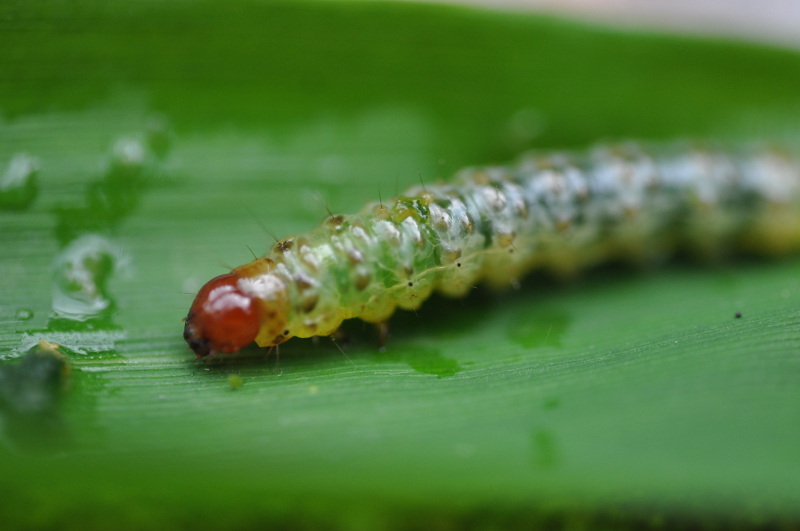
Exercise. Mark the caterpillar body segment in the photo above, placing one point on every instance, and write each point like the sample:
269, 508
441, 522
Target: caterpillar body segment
562, 211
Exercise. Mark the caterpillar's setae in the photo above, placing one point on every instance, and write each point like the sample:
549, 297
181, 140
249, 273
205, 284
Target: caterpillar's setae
562, 211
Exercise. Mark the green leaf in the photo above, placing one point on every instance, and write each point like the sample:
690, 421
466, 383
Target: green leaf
623, 398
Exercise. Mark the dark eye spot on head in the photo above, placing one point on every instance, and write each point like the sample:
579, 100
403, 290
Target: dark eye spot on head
458, 264
410, 284
286, 332
201, 346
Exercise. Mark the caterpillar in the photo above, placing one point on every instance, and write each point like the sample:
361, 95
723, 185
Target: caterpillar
562, 211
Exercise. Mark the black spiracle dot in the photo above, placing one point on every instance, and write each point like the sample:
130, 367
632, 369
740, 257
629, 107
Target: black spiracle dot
458, 264
286, 332
410, 284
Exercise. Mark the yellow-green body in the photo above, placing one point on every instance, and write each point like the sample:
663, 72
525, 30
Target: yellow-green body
559, 211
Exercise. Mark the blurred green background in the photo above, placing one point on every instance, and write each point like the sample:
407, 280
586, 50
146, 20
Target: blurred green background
626, 398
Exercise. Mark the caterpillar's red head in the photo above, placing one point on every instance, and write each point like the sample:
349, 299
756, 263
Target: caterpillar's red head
234, 309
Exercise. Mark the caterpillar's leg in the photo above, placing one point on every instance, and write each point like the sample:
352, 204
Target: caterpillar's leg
340, 336
277, 350
383, 333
